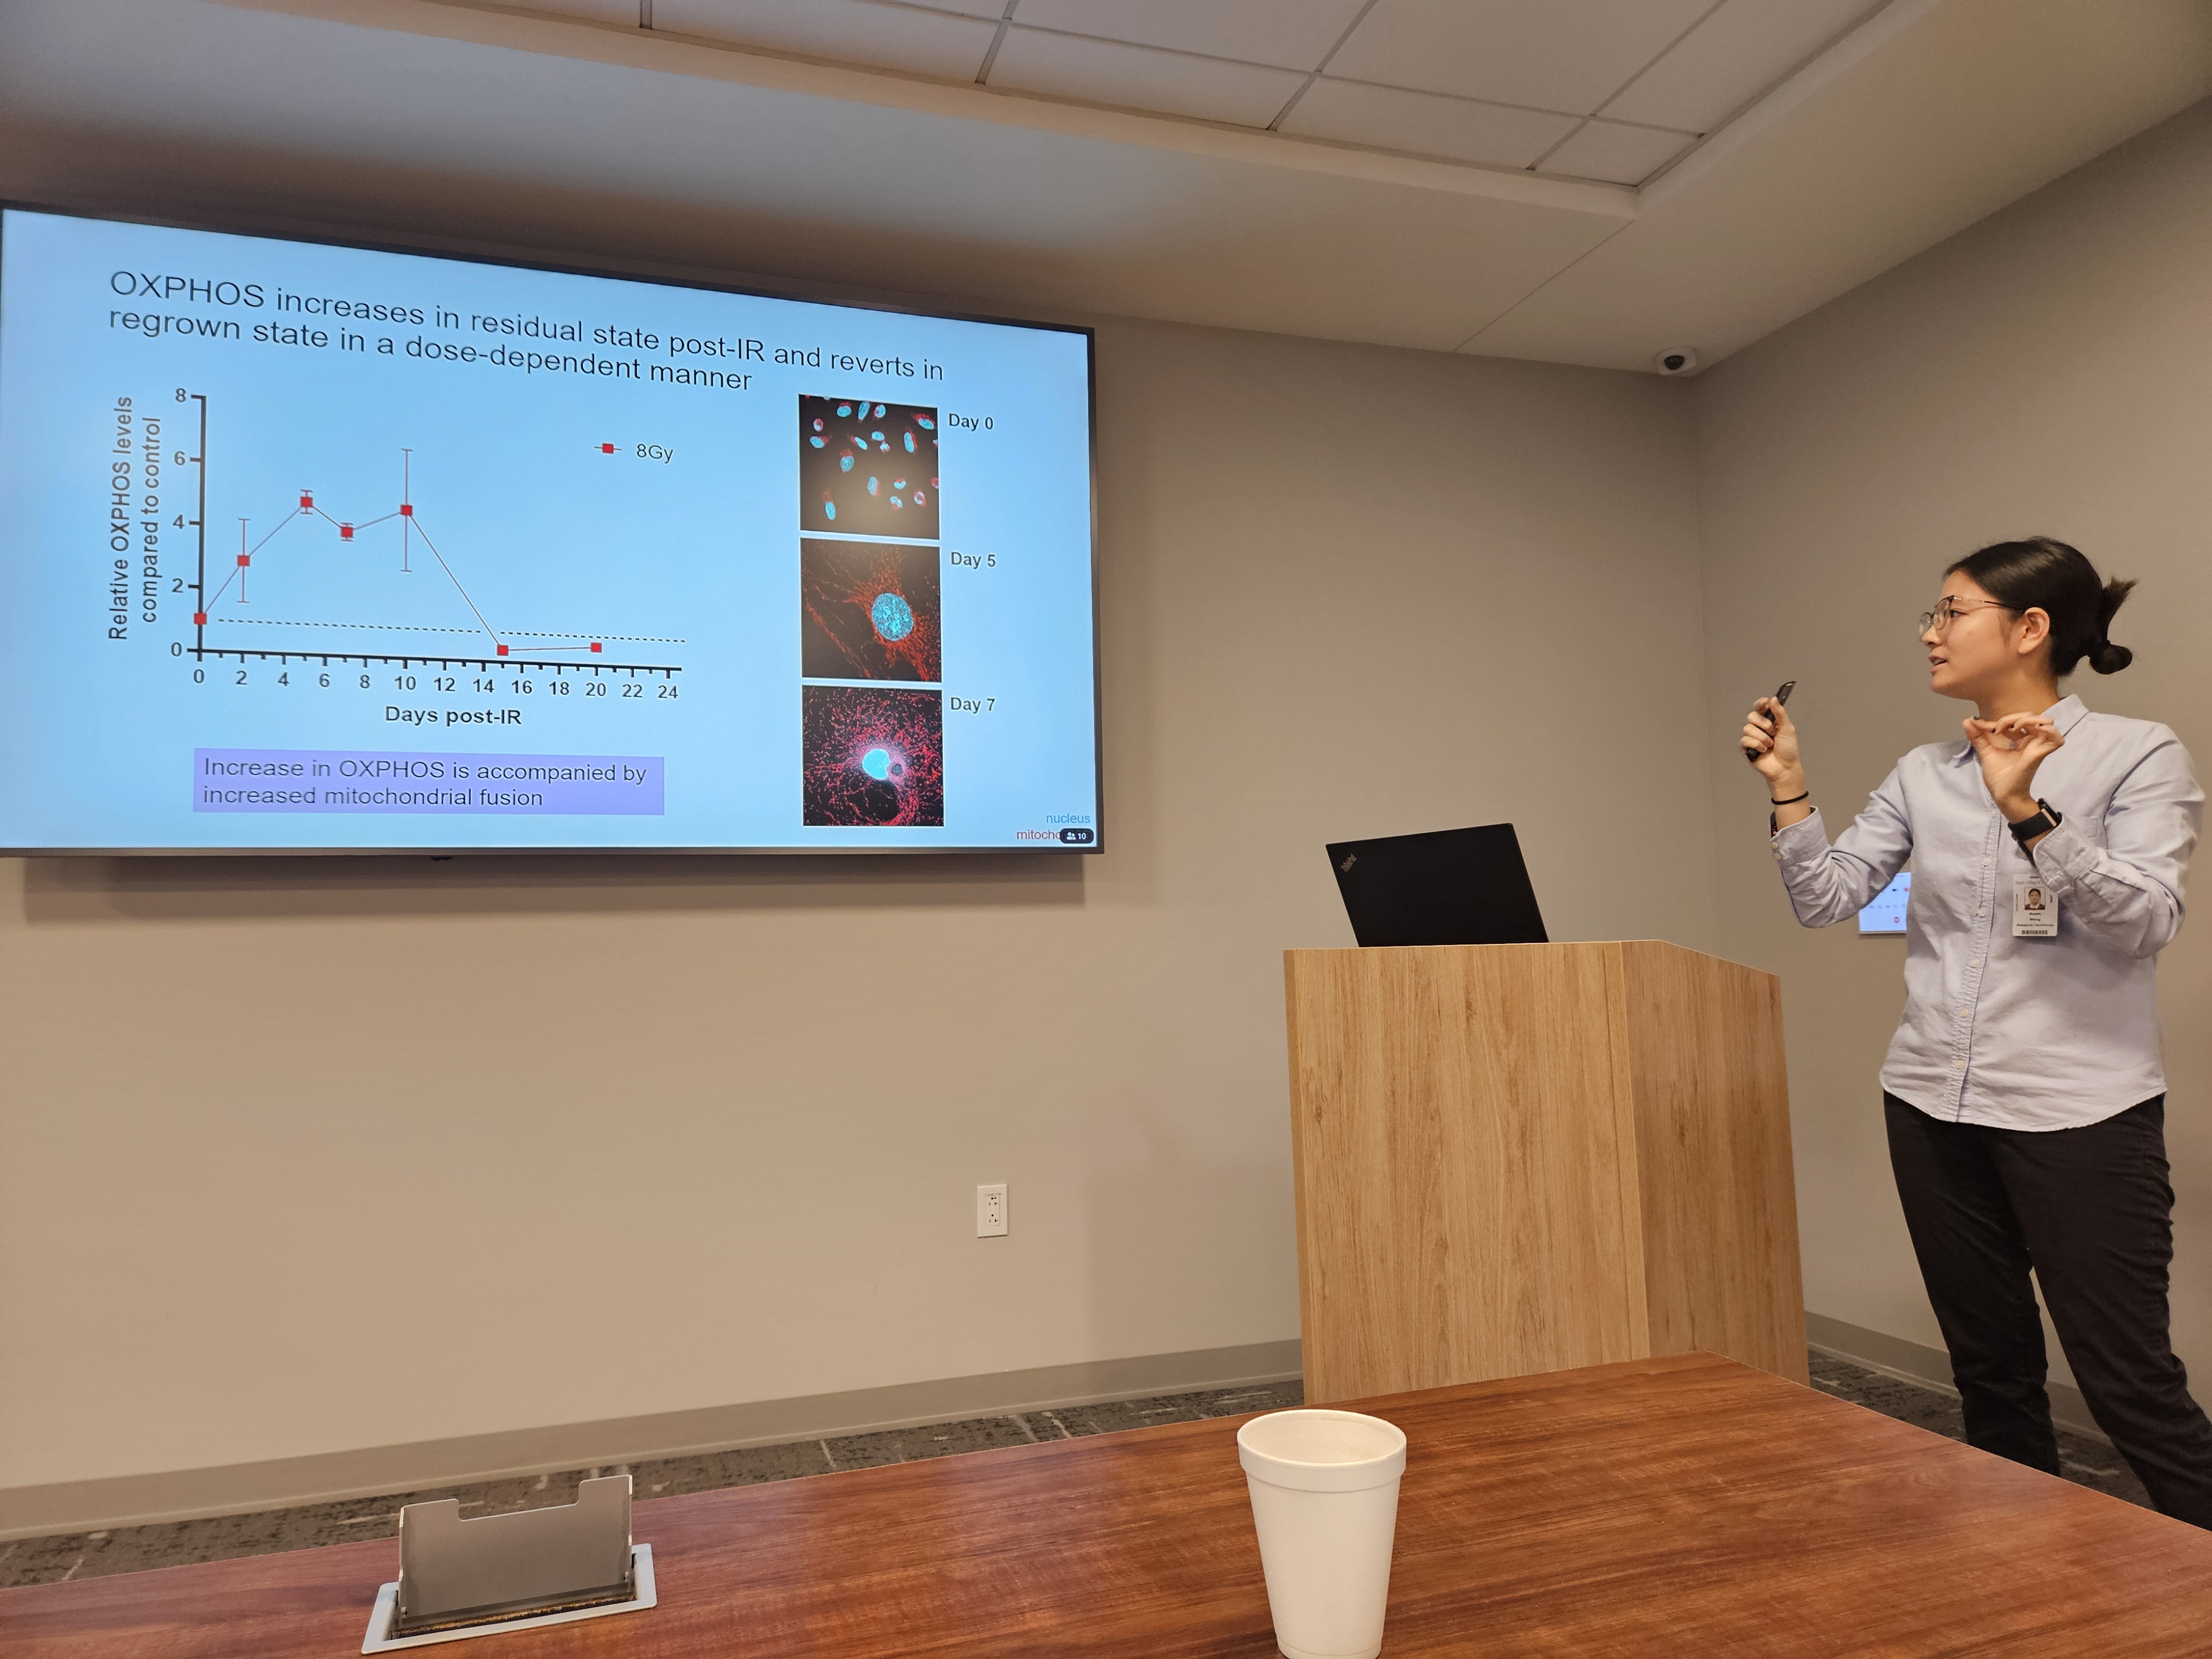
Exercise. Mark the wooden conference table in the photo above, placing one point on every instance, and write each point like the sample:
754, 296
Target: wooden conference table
1687, 1504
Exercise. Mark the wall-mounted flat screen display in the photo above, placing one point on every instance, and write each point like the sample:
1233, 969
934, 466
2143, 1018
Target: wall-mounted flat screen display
321, 548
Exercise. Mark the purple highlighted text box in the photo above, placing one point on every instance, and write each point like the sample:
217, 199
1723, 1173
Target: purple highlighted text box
462, 786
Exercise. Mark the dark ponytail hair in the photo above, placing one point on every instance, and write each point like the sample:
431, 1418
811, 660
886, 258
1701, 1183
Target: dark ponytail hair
2040, 574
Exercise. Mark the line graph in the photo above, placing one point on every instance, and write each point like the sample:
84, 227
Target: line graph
502, 646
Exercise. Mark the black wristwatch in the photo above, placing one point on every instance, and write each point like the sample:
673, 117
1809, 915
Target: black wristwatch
2042, 821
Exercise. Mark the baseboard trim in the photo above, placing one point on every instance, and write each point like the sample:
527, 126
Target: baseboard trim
134, 1500
1915, 1361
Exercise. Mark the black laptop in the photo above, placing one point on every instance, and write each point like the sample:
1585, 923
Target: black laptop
1447, 887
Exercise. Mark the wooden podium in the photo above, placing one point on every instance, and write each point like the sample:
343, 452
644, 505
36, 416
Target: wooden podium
1513, 1158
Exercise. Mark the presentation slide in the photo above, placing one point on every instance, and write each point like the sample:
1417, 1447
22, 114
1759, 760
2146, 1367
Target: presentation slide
316, 548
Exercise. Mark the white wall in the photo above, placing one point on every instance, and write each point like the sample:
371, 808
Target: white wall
2048, 371
298, 1156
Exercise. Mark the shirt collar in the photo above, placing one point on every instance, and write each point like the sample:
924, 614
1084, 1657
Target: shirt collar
2066, 713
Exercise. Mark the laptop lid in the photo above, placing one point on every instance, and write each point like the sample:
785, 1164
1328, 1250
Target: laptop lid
1445, 887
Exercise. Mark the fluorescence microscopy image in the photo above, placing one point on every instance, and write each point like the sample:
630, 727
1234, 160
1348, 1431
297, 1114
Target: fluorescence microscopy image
872, 757
867, 468
869, 611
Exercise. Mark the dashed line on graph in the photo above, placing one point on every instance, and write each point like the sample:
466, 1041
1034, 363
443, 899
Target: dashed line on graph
416, 628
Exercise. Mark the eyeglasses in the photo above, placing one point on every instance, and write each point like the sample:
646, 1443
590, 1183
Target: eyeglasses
1947, 612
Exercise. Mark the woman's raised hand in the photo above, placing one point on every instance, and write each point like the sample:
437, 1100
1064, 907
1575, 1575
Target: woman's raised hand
1769, 737
2009, 750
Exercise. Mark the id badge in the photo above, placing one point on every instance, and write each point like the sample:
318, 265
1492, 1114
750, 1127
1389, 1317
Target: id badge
2034, 908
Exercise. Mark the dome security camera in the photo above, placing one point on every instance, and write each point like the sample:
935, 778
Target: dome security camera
1680, 361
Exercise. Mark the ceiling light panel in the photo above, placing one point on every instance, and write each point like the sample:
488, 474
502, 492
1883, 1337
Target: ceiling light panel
1285, 33
1455, 129
1137, 77
1615, 152
843, 31
1550, 54
1731, 57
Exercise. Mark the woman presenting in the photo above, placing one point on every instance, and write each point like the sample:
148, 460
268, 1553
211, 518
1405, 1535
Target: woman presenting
2025, 1098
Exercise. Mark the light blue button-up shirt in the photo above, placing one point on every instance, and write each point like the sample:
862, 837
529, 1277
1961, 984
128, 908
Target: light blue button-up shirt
2021, 1033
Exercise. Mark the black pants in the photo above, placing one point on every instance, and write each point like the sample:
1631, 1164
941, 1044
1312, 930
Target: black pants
2090, 1209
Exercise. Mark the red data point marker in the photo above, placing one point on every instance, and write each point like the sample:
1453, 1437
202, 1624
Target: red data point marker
406, 509
606, 449
503, 650
306, 503
245, 559
345, 532
199, 619
595, 645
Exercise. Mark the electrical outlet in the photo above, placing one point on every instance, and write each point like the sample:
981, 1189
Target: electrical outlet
991, 1210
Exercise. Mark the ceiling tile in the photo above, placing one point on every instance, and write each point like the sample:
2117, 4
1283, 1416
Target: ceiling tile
1552, 54
1616, 154
1288, 33
842, 31
1137, 77
1731, 57
1456, 128
994, 10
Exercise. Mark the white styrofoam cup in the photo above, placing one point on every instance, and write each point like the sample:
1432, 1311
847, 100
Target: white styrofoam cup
1324, 1490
